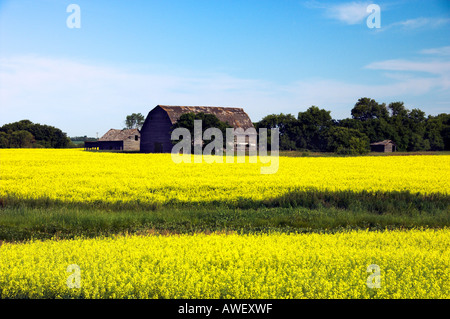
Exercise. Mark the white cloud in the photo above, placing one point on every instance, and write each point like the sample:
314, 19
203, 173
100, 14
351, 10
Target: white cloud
437, 73
443, 51
417, 23
432, 67
423, 22
356, 12
349, 12
341, 96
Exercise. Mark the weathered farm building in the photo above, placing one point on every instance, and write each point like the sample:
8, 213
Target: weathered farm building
385, 146
123, 140
156, 131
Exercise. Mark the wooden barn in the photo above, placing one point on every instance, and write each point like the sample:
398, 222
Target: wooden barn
385, 146
121, 140
156, 131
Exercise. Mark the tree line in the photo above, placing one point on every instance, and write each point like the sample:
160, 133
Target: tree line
316, 130
26, 134
312, 130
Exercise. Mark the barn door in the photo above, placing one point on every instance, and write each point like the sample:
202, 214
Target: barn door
158, 147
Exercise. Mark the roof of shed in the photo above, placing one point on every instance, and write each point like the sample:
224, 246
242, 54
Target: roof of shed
385, 142
118, 135
236, 117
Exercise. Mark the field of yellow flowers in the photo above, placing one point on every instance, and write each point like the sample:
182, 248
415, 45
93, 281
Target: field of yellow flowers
70, 176
408, 264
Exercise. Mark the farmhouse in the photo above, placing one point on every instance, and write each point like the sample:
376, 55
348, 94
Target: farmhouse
123, 140
385, 146
156, 131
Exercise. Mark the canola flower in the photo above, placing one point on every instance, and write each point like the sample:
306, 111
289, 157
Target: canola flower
77, 176
413, 264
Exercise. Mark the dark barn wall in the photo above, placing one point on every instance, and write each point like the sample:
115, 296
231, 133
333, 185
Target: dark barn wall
110, 145
383, 148
90, 145
155, 133
377, 148
104, 145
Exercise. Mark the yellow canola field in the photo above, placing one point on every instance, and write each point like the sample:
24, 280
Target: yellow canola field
79, 176
411, 264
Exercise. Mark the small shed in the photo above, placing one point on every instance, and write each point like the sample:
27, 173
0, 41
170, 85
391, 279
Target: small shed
121, 140
386, 146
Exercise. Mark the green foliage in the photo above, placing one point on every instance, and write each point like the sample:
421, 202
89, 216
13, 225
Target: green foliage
309, 211
347, 141
4, 140
208, 121
135, 120
313, 126
27, 134
82, 139
315, 130
437, 132
21, 139
287, 127
367, 109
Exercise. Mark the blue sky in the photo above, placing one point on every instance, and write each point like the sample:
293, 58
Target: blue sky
265, 56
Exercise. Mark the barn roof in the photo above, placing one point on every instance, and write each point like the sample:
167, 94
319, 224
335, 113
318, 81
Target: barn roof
385, 142
236, 117
118, 135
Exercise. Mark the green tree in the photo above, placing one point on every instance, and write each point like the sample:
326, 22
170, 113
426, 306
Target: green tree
4, 140
401, 123
44, 135
367, 109
313, 125
398, 109
344, 140
16, 126
437, 132
287, 127
21, 139
135, 120
208, 121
